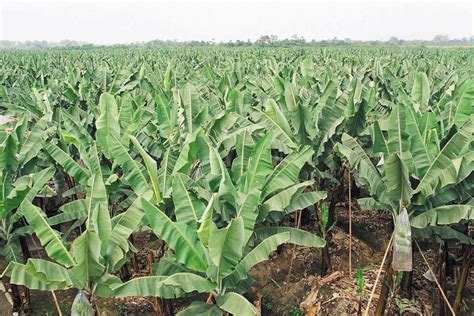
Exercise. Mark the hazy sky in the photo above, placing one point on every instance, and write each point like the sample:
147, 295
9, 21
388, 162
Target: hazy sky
107, 22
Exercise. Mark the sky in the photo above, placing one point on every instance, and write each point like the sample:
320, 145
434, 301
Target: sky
110, 22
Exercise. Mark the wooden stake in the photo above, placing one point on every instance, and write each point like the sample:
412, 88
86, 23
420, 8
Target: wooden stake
435, 278
350, 225
293, 255
378, 276
56, 303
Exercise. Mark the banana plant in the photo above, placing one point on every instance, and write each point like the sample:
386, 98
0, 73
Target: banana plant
274, 190
214, 235
208, 260
23, 190
21, 179
418, 175
88, 263
251, 181
298, 117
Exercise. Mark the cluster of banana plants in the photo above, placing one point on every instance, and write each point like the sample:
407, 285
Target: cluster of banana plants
213, 151
417, 163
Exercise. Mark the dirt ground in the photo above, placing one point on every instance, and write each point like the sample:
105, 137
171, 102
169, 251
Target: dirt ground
284, 290
288, 277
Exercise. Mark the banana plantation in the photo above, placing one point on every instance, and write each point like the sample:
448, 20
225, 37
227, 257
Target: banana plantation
237, 181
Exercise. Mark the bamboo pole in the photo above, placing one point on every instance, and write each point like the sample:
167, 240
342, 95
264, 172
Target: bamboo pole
350, 224
293, 255
378, 276
435, 279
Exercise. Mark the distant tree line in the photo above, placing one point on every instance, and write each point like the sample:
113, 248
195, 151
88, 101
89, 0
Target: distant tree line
41, 44
438, 40
262, 41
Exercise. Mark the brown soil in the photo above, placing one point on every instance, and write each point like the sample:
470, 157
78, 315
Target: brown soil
371, 233
280, 297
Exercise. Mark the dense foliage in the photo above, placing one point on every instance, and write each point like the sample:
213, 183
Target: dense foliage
211, 148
